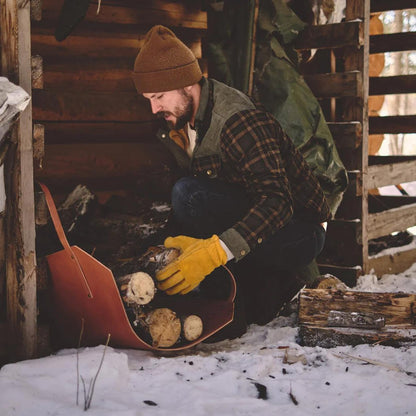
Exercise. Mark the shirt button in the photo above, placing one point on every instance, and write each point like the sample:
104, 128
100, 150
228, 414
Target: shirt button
242, 252
260, 240
209, 172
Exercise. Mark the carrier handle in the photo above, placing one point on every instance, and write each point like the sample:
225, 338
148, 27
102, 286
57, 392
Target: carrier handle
61, 234
233, 292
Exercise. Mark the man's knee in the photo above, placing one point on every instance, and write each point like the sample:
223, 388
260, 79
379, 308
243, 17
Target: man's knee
182, 192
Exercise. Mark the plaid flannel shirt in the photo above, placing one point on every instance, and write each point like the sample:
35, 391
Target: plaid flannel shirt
256, 154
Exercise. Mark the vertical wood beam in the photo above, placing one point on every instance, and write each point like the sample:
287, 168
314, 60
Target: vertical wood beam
357, 58
20, 223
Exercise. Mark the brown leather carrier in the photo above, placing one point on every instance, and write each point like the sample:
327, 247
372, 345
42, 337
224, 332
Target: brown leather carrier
85, 298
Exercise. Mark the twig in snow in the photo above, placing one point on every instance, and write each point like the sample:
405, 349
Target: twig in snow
369, 361
88, 397
79, 346
292, 397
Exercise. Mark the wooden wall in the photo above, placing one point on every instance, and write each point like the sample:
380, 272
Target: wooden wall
97, 129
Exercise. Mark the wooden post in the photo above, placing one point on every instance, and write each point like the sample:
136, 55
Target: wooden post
20, 224
357, 109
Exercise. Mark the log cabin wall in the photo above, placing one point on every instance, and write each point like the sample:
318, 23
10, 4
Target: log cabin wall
89, 126
97, 130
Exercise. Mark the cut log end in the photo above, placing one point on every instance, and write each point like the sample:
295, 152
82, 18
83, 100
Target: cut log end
192, 327
164, 327
137, 288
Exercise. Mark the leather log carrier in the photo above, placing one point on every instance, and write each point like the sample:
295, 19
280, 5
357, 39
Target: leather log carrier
85, 298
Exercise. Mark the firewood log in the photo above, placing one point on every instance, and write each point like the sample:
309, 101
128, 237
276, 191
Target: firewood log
192, 327
163, 326
137, 288
158, 257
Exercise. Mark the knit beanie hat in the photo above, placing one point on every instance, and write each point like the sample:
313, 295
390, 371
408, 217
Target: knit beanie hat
164, 63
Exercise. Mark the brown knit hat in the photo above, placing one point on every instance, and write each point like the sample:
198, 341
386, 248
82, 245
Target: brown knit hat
164, 63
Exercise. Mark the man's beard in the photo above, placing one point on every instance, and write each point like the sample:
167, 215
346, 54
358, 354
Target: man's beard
183, 114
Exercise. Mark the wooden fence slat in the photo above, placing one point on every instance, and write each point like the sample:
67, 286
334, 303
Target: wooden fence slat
396, 219
336, 85
330, 36
392, 124
391, 174
378, 6
401, 84
395, 263
392, 42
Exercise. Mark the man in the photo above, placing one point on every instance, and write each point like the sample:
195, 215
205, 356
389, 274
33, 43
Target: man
249, 197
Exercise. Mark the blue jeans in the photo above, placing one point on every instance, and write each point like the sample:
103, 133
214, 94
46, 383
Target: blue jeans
202, 207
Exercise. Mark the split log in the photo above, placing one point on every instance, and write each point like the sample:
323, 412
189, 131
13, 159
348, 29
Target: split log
192, 327
328, 281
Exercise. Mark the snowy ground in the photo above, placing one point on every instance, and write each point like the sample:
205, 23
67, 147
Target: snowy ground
247, 376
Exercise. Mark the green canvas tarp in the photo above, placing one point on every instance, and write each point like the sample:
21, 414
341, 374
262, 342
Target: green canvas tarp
277, 83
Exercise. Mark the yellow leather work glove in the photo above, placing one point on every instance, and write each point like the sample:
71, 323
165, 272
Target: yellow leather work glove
198, 259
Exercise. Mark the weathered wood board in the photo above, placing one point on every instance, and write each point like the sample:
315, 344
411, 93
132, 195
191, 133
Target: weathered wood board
317, 307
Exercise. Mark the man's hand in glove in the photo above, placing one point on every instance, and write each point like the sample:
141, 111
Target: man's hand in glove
198, 259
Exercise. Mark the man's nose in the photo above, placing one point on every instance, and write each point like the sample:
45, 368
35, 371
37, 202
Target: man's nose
155, 107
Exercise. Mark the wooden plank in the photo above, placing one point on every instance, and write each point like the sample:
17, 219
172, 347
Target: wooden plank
103, 132
386, 5
142, 14
20, 224
387, 160
330, 36
356, 58
378, 203
394, 263
392, 124
391, 174
315, 305
326, 337
389, 221
401, 84
393, 42
92, 47
97, 75
90, 106
340, 84
347, 135
102, 165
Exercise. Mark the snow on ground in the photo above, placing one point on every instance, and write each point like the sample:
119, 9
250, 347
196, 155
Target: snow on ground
246, 376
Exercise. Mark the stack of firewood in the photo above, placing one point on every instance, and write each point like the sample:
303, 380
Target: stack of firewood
138, 290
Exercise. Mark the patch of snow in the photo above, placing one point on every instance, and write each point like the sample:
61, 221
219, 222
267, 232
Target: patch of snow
245, 376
